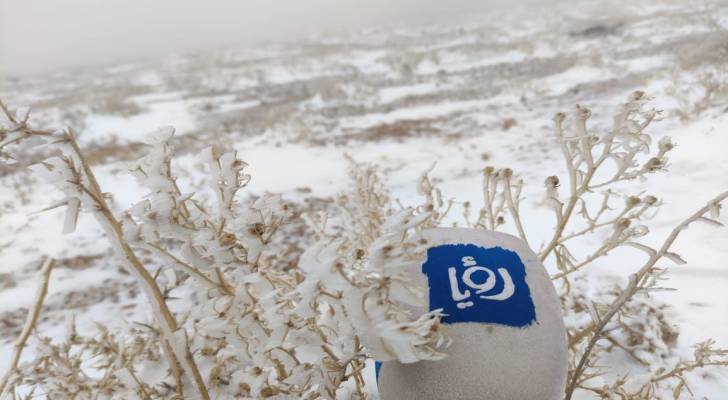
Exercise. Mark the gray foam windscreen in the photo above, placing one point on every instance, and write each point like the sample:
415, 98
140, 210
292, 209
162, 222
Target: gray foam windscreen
503, 316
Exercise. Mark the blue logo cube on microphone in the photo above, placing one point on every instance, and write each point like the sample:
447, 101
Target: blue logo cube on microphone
478, 284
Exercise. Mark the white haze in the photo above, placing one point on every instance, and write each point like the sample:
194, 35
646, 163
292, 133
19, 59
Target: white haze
43, 35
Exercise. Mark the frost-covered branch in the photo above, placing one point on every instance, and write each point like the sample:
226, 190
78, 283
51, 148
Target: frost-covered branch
261, 324
595, 167
258, 327
72, 175
640, 281
30, 322
586, 154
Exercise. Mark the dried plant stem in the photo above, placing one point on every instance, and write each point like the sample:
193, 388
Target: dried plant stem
570, 207
184, 267
513, 206
336, 298
143, 392
176, 354
632, 288
30, 322
577, 187
680, 370
487, 200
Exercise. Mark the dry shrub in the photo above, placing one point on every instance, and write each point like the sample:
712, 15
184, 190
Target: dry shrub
273, 316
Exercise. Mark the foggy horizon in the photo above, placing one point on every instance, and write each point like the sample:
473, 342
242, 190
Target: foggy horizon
80, 33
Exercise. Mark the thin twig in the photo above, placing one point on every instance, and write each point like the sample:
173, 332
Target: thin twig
30, 323
513, 206
168, 323
631, 289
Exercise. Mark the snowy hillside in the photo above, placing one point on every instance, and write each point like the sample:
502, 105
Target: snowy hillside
461, 95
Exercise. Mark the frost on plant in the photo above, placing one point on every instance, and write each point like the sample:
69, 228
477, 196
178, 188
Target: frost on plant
603, 317
257, 328
260, 327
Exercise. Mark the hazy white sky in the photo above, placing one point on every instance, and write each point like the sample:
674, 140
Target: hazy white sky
42, 35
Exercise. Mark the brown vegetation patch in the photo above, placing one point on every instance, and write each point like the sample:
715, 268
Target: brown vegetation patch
78, 262
400, 130
114, 151
11, 323
508, 123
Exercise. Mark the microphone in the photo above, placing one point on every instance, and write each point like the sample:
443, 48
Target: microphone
503, 316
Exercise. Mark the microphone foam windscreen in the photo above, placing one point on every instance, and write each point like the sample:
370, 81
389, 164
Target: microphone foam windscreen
503, 316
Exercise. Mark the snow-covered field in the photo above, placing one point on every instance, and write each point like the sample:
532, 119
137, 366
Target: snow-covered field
461, 95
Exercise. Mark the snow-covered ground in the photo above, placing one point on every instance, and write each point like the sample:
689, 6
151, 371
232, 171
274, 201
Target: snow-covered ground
464, 94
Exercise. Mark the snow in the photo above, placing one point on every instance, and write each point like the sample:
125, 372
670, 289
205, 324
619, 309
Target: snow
269, 114
457, 62
158, 112
568, 79
368, 62
393, 93
411, 113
